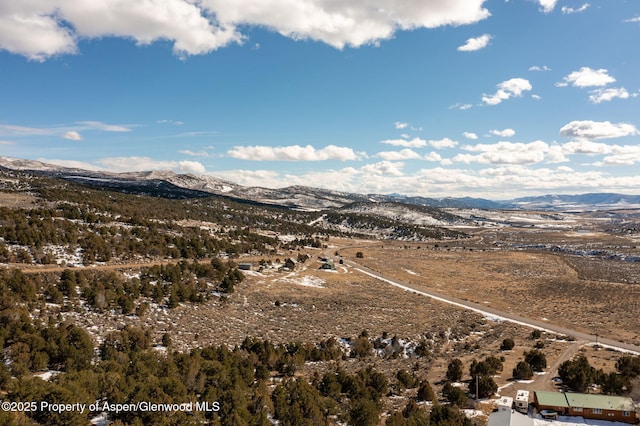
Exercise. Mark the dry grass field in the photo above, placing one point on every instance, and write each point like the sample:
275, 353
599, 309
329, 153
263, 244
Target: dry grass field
539, 285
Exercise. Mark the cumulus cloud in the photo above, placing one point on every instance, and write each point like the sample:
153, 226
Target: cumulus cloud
346, 23
587, 129
131, 164
507, 89
476, 43
292, 153
401, 125
511, 153
633, 20
72, 136
413, 143
384, 168
443, 143
587, 77
547, 5
405, 154
614, 154
586, 147
624, 159
506, 133
606, 95
470, 135
40, 29
568, 10
433, 156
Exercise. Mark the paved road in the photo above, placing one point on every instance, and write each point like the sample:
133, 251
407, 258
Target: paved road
495, 313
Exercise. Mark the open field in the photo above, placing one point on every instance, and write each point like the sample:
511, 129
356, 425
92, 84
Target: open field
535, 284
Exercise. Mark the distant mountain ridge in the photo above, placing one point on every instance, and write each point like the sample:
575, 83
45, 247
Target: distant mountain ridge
169, 184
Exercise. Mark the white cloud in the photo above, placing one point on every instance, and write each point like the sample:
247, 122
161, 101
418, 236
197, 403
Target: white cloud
384, 168
547, 5
462, 107
586, 147
72, 136
539, 68
201, 153
72, 164
625, 159
476, 43
37, 34
614, 154
292, 153
470, 135
40, 29
433, 156
569, 10
13, 130
413, 143
7, 142
507, 89
401, 125
346, 23
536, 97
511, 153
98, 125
67, 132
174, 122
587, 77
606, 95
506, 133
587, 129
405, 154
443, 143
633, 20
130, 164
492, 182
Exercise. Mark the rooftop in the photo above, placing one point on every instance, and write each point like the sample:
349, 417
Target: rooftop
604, 402
552, 399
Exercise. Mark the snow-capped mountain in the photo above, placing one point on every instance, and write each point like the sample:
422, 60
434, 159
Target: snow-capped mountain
172, 185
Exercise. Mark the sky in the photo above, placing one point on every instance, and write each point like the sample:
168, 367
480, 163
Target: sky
483, 98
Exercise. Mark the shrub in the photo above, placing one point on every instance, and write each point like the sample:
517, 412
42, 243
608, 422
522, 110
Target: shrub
507, 344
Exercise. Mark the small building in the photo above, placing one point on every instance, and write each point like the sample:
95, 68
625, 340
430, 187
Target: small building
505, 415
601, 407
551, 401
522, 401
588, 406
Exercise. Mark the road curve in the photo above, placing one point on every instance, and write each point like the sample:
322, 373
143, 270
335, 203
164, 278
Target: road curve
495, 313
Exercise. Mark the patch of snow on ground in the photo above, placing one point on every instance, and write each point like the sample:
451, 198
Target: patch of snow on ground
472, 413
306, 281
410, 272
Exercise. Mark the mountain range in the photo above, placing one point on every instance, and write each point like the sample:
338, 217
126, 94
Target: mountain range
172, 185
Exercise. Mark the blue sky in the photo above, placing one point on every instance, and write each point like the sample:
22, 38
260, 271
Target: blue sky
493, 99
